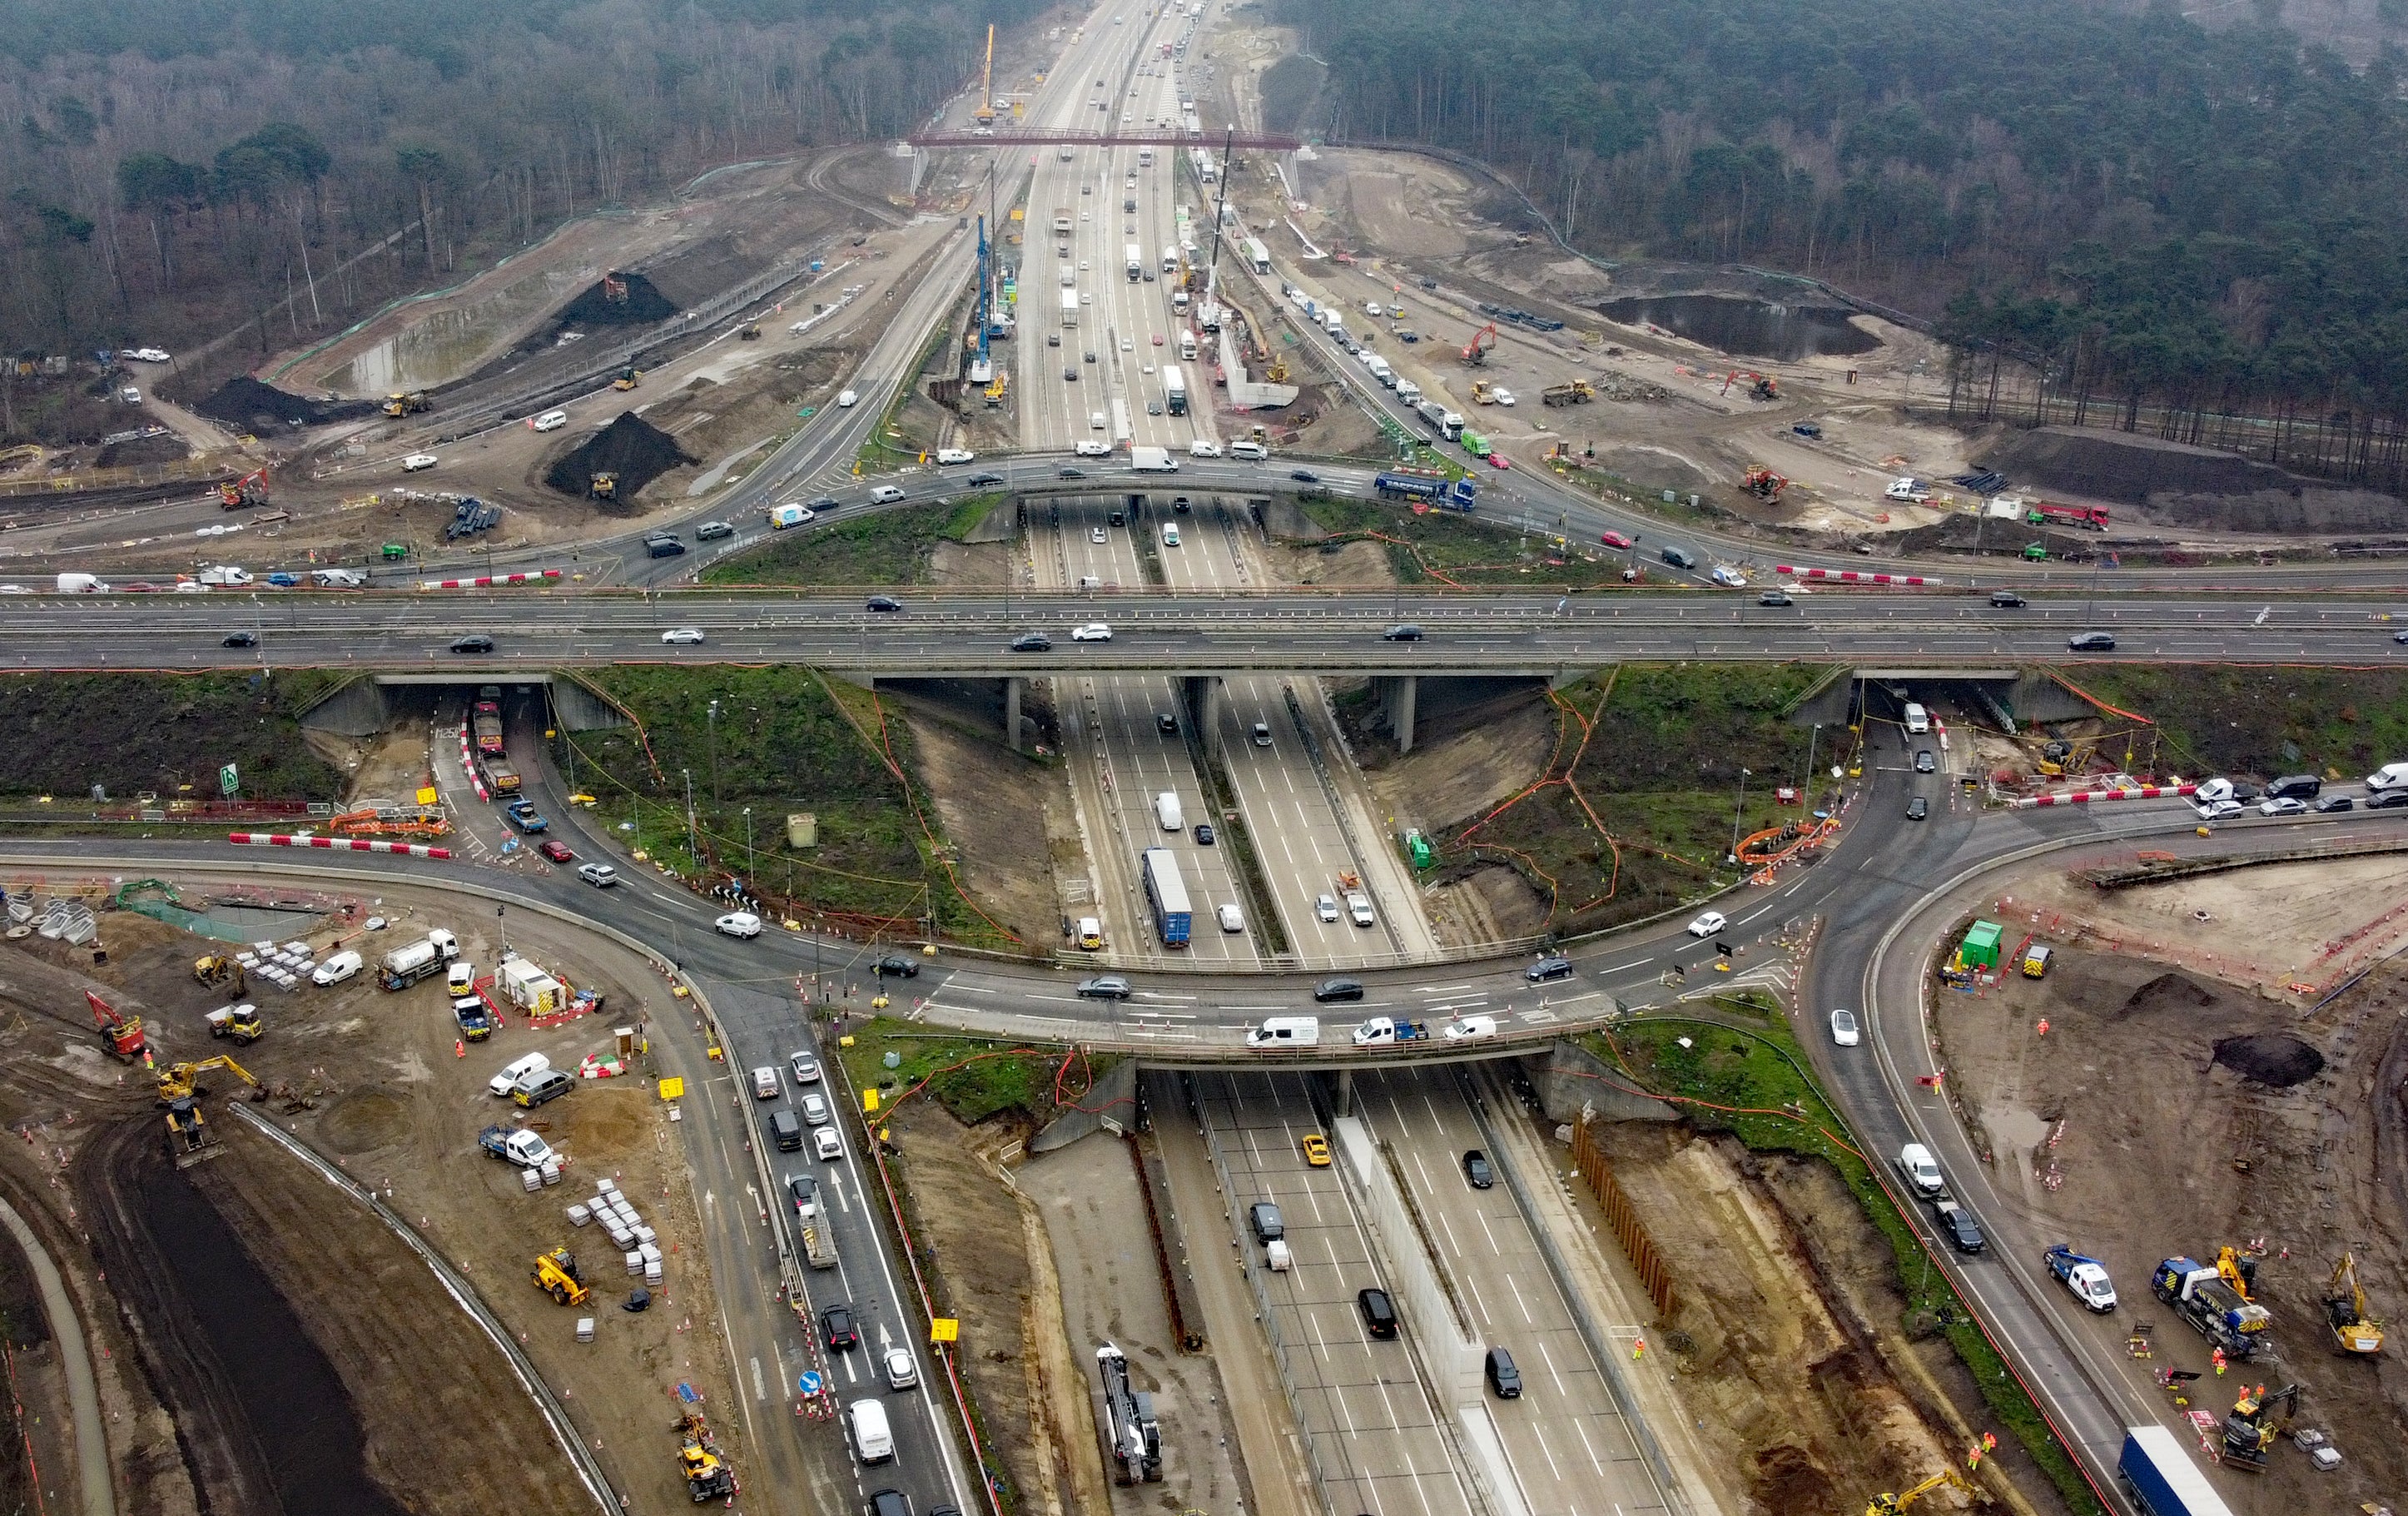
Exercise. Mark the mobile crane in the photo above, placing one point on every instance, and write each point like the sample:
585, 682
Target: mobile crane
985, 114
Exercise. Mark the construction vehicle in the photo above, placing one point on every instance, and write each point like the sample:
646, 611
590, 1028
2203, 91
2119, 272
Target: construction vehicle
2237, 1269
749, 332
402, 403
555, 1274
122, 1035
2353, 1330
1765, 388
985, 114
182, 1080
190, 1141
221, 969
1482, 393
251, 489
707, 1474
527, 1150
2059, 758
1764, 485
1475, 352
2213, 1307
603, 486
242, 1022
1130, 1430
1573, 392
628, 378
1890, 1505
614, 289
2254, 1423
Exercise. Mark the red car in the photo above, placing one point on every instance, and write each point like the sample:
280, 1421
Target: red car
555, 852
1613, 539
1499, 460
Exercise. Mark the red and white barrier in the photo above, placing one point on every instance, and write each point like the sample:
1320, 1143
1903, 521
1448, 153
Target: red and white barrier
1851, 576
469, 768
2085, 796
487, 581
341, 845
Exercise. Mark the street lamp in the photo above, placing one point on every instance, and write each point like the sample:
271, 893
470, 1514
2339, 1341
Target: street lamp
751, 867
693, 844
1738, 811
713, 723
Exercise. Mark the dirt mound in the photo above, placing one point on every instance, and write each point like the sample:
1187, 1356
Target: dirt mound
2172, 994
163, 447
244, 401
694, 274
631, 447
2271, 1057
2188, 485
644, 305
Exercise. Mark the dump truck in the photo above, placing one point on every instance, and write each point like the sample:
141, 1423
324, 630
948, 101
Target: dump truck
525, 1149
1574, 392
501, 777
2213, 1308
485, 723
400, 403
242, 1022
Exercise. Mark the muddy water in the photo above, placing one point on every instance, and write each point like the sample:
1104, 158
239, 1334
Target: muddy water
1749, 328
301, 1420
445, 345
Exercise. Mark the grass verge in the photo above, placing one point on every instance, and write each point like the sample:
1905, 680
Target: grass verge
2340, 723
1450, 547
883, 549
972, 1077
1752, 1083
166, 735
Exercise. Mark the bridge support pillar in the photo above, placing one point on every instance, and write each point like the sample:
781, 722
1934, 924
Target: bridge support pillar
1342, 1099
1203, 695
1396, 695
1012, 687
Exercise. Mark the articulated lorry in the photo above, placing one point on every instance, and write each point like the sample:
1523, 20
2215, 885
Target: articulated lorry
2162, 1479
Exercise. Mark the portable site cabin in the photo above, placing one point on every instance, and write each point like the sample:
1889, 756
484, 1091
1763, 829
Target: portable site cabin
1981, 945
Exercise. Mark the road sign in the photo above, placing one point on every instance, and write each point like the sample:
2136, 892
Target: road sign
673, 1088
945, 1329
809, 1383
229, 780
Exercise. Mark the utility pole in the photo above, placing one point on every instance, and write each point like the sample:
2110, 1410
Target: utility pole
1738, 811
693, 842
712, 718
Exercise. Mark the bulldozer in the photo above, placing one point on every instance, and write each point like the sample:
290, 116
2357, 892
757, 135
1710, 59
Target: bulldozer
628, 378
1890, 1505
2353, 1330
603, 486
707, 1474
402, 403
190, 1141
122, 1035
556, 1273
221, 969
182, 1081
2254, 1424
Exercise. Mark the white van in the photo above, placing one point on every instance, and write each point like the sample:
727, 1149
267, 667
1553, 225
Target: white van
1918, 720
885, 495
1285, 1032
336, 969
1203, 449
955, 455
524, 1066
1096, 420
865, 1425
2389, 777
1254, 451
1276, 1255
1166, 810
551, 421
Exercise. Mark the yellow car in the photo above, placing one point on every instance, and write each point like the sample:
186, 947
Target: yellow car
1317, 1150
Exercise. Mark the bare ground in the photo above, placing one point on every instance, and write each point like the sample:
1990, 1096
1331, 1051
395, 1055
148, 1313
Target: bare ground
1003, 852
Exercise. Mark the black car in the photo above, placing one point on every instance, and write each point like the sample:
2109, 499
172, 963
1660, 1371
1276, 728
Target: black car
836, 1329
805, 1193
1379, 1312
1104, 986
1329, 989
1503, 1378
1476, 1169
895, 966
1405, 633
1774, 598
825, 503
240, 639
1069, 375
1918, 808
1166, 722
1925, 762
884, 602
1091, 355
1963, 1234
2385, 800
2326, 805
477, 642
2007, 599
2297, 787
2400, 635
1180, 504
664, 547
2091, 641
891, 1503
1032, 641
986, 478
1556, 967
1304, 476
1203, 834
1052, 338
1066, 472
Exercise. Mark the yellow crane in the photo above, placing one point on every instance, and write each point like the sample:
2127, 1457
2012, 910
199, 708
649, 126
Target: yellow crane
1890, 1505
179, 1081
2346, 1310
985, 114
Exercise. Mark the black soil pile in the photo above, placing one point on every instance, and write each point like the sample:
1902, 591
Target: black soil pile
631, 447
644, 305
245, 402
2188, 485
2271, 1057
165, 448
2170, 994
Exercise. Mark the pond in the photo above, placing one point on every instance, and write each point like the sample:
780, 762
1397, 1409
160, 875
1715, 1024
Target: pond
1747, 328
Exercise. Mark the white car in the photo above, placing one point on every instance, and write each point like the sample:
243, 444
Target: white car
738, 924
1502, 396
1094, 631
1464, 1028
1358, 905
826, 1144
684, 635
336, 969
2220, 810
1203, 449
2282, 806
901, 1373
1092, 449
1129, 344
145, 355
1844, 1027
1098, 534
417, 461
1325, 907
805, 1068
815, 1109
1708, 924
955, 455
1232, 919
847, 399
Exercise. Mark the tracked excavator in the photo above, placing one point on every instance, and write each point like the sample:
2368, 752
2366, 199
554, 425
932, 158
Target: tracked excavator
221, 969
707, 1474
1475, 353
2254, 1424
2353, 1330
122, 1035
1891, 1505
182, 1081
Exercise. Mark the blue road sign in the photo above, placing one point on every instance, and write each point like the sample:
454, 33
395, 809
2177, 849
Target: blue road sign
810, 1383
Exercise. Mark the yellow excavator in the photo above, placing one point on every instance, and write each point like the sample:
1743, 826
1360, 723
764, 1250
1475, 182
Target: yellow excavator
707, 1474
180, 1081
556, 1273
1890, 1505
2346, 1310
2239, 1270
221, 969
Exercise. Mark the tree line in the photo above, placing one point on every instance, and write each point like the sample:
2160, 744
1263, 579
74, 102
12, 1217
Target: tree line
2160, 217
169, 168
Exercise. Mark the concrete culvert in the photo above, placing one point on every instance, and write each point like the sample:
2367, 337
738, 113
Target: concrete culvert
631, 447
2271, 1057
